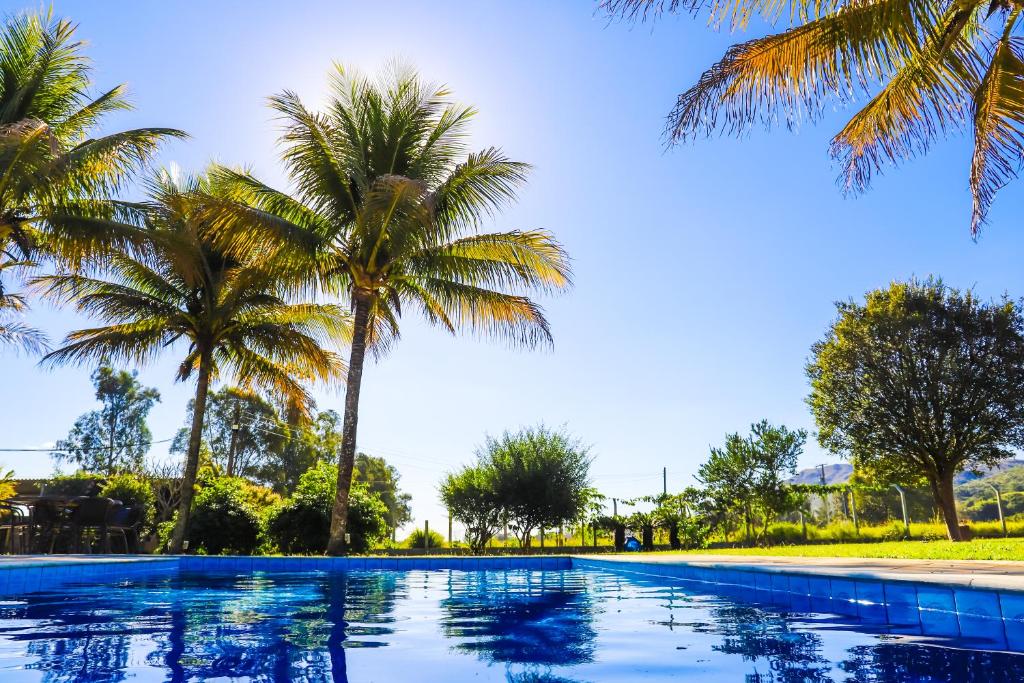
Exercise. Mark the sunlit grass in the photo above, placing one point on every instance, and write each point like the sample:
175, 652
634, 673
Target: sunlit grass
978, 549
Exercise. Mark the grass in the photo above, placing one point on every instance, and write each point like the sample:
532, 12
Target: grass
978, 549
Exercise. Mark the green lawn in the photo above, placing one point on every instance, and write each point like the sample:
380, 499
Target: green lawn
978, 549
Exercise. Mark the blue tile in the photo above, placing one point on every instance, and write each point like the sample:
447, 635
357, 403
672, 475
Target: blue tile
549, 563
471, 564
762, 582
843, 590
980, 615
799, 585
820, 587
374, 563
901, 605
389, 564
1012, 608
418, 563
520, 563
937, 611
780, 583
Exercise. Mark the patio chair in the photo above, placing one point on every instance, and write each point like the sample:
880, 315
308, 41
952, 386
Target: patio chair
45, 521
14, 525
90, 514
126, 520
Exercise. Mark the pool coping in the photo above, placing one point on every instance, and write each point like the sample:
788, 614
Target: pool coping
993, 575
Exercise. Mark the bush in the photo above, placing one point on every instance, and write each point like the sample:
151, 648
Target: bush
224, 521
132, 490
415, 540
302, 524
77, 484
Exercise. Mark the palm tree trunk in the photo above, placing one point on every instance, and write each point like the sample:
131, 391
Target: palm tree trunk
195, 440
346, 462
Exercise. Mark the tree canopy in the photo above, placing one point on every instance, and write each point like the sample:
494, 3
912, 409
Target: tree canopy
114, 438
921, 381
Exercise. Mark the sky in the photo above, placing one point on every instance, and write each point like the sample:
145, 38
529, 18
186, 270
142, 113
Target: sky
703, 273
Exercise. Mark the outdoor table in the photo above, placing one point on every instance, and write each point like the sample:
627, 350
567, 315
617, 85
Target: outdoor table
62, 505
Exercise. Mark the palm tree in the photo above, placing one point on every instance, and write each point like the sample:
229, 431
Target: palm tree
926, 68
233, 314
13, 332
56, 181
386, 213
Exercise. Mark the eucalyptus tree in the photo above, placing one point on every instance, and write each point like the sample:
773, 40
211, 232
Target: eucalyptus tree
57, 179
922, 69
225, 315
386, 212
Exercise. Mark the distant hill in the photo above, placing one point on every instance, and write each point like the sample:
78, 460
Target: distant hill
837, 473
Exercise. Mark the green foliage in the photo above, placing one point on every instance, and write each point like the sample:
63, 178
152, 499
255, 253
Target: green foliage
224, 519
416, 540
302, 523
471, 496
77, 484
749, 476
132, 490
382, 479
114, 438
540, 476
260, 432
909, 352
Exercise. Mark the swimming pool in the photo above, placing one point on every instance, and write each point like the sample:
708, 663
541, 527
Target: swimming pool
550, 625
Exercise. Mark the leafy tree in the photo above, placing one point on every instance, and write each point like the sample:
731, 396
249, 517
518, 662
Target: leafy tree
728, 478
114, 438
236, 315
57, 176
750, 474
924, 68
303, 522
921, 381
260, 435
776, 451
541, 478
471, 497
133, 490
382, 479
386, 211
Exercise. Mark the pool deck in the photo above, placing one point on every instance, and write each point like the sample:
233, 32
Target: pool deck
1003, 575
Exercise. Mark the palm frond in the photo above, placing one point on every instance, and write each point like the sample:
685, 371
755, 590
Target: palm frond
21, 337
998, 127
787, 76
921, 102
477, 188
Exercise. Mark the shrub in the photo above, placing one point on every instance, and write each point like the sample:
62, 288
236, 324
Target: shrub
224, 520
302, 524
415, 539
132, 490
77, 484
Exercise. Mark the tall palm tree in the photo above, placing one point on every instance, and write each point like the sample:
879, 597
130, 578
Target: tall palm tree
924, 69
232, 313
56, 181
386, 212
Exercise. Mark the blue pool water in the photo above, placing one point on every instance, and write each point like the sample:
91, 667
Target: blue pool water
451, 626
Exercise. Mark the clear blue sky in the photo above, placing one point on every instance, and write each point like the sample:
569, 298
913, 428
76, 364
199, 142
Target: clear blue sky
703, 274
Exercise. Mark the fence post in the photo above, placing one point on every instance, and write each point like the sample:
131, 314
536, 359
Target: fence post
903, 505
595, 534
853, 509
449, 528
999, 506
426, 535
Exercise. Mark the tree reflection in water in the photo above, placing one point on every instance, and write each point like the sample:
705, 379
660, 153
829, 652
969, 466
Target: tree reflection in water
533, 618
286, 628
902, 662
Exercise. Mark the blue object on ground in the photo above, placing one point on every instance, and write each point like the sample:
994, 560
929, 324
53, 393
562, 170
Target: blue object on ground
632, 545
